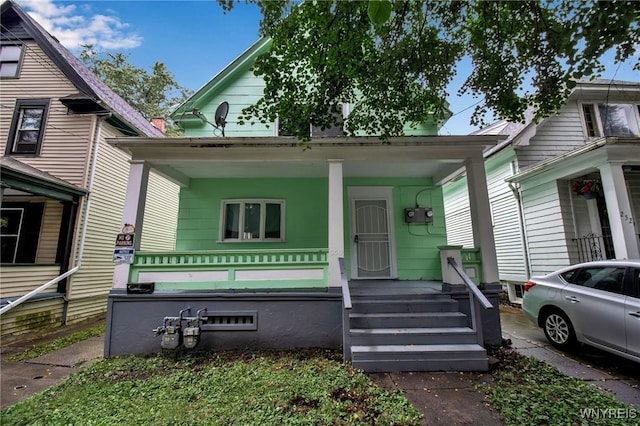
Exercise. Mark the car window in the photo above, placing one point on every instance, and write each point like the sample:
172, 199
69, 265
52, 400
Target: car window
635, 282
600, 278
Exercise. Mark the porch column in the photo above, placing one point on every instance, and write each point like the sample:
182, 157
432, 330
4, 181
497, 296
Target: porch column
133, 213
623, 233
481, 218
336, 221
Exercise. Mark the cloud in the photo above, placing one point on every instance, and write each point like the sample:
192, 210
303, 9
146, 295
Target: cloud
75, 27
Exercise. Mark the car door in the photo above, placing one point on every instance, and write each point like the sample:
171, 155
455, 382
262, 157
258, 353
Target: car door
632, 314
594, 301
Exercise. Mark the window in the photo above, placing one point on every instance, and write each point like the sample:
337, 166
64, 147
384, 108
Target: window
10, 58
27, 127
20, 231
600, 278
612, 120
252, 220
314, 131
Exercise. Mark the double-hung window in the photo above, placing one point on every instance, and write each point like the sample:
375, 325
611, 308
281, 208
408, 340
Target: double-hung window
27, 127
10, 60
611, 120
252, 220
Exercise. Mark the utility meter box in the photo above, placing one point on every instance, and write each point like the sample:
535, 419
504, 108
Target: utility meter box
418, 215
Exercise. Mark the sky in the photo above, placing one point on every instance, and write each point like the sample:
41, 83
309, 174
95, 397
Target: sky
195, 39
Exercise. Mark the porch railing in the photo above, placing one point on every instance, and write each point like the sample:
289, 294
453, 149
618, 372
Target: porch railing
231, 268
346, 310
477, 300
594, 247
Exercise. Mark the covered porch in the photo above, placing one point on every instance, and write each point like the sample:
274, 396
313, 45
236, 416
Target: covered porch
286, 289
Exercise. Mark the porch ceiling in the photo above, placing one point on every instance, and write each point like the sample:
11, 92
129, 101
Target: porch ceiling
282, 157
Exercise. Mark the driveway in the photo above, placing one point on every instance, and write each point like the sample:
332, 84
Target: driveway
617, 375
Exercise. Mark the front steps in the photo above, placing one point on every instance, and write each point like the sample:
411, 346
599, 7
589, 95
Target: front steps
410, 326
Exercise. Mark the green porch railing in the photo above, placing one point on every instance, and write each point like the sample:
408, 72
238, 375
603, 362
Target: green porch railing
232, 269
472, 261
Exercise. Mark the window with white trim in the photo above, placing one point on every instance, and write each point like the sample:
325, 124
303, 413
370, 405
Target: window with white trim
611, 120
252, 220
10, 59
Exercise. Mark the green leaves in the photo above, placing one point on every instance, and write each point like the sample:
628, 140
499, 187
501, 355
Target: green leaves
379, 11
394, 61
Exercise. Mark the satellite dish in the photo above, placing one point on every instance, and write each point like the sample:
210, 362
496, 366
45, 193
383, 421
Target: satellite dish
221, 115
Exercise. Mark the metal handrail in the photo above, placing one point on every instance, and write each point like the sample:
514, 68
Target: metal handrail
346, 308
475, 298
12, 304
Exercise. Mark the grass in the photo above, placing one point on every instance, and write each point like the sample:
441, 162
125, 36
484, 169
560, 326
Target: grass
42, 349
283, 388
290, 388
526, 390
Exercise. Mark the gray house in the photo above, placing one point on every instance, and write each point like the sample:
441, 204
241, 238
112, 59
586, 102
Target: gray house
563, 190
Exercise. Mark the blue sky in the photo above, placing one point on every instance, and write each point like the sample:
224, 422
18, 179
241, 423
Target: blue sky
195, 39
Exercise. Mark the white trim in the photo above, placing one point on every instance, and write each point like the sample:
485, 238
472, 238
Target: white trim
372, 193
279, 274
193, 276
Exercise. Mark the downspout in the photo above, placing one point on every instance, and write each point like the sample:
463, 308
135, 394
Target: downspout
515, 188
83, 232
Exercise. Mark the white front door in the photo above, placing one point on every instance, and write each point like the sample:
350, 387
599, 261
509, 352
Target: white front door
371, 233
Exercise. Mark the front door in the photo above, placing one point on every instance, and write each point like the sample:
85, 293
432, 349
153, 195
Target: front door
371, 233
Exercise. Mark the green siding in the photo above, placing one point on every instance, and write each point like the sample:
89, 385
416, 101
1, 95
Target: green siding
306, 212
306, 216
416, 246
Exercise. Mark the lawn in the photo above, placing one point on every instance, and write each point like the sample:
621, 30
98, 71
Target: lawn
310, 387
284, 388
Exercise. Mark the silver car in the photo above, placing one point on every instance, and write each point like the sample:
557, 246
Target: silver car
596, 303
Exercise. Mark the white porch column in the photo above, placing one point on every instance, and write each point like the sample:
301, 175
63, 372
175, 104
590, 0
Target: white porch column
623, 233
336, 221
481, 218
133, 213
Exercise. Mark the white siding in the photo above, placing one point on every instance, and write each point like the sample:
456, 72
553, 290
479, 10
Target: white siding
457, 213
48, 244
548, 247
32, 316
160, 215
557, 135
504, 215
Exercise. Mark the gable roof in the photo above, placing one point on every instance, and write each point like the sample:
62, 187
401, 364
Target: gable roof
18, 26
228, 74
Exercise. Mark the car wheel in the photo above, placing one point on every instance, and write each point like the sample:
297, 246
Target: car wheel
558, 330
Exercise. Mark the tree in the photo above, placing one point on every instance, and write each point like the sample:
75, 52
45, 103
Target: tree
392, 61
153, 94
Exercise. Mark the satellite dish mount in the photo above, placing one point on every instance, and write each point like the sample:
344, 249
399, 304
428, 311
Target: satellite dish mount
220, 116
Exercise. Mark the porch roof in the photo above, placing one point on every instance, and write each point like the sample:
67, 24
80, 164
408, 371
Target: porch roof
414, 156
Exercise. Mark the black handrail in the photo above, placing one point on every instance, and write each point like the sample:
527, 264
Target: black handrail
346, 308
470, 284
475, 298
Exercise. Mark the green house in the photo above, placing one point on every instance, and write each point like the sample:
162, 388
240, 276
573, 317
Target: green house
341, 244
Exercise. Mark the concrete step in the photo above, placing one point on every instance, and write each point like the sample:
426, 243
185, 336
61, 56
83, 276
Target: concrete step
412, 336
390, 358
404, 305
407, 320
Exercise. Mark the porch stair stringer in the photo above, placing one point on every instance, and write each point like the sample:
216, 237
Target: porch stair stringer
412, 326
